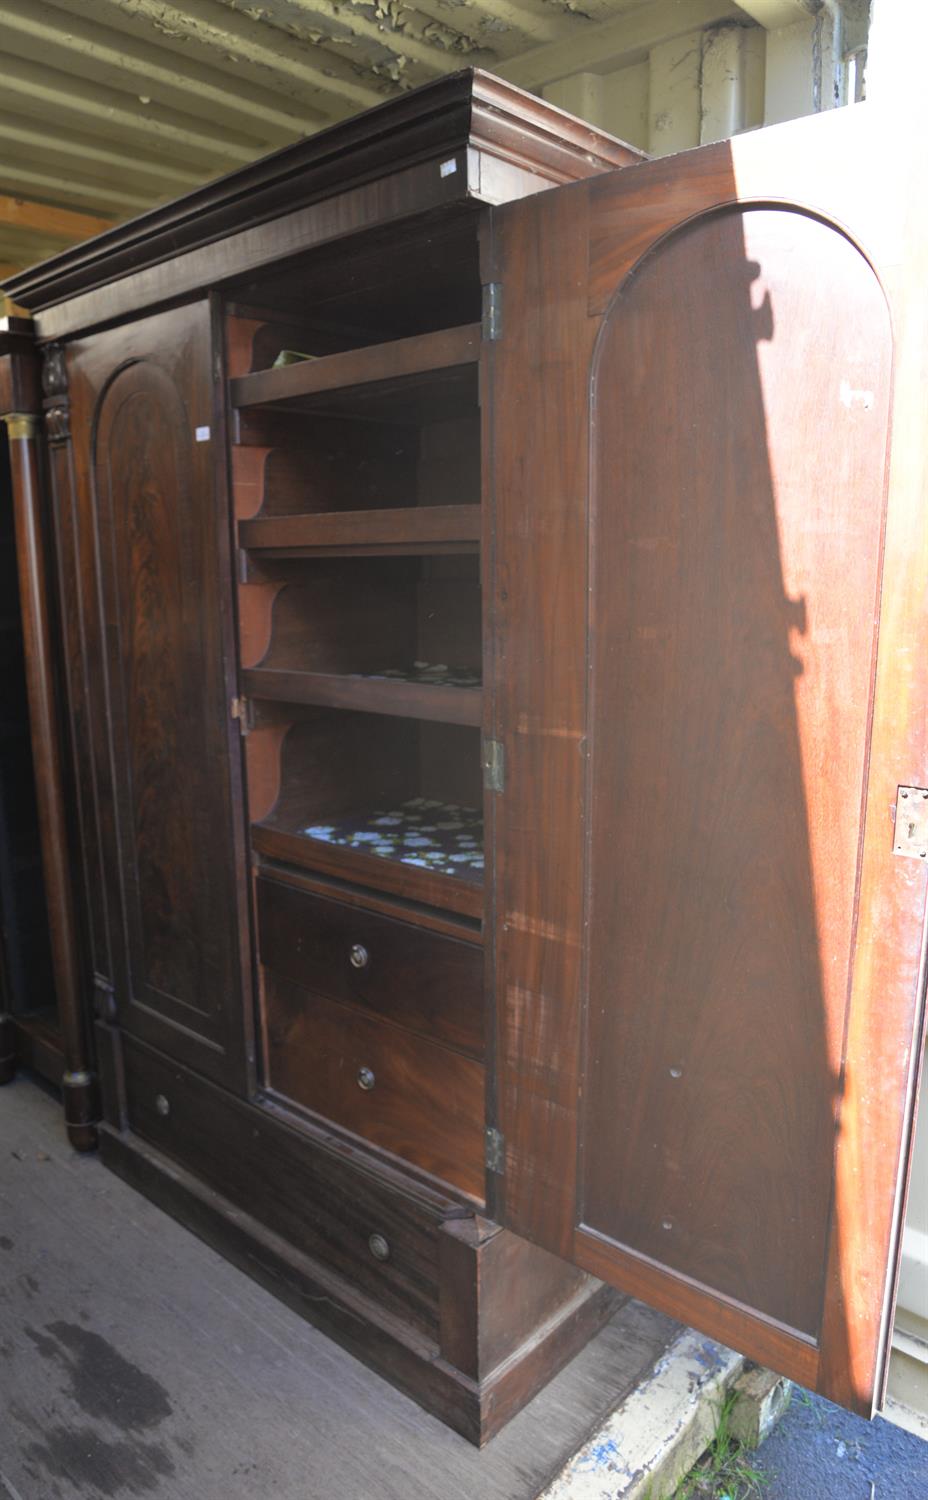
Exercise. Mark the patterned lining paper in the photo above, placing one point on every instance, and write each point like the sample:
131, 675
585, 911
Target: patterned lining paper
440, 675
439, 836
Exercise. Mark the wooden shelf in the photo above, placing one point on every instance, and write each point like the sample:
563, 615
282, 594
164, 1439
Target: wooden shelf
405, 531
438, 703
408, 881
402, 380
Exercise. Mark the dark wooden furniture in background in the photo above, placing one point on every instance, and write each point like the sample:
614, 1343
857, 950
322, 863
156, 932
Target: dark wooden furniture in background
52, 1038
28, 1021
386, 515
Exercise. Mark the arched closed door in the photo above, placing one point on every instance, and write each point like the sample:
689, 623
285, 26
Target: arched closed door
163, 737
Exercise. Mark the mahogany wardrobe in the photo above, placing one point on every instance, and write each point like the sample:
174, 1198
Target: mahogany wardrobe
473, 586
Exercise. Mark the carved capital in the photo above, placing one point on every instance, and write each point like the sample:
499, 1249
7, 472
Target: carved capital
58, 423
55, 389
54, 371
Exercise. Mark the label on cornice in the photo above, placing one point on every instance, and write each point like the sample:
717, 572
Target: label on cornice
202, 434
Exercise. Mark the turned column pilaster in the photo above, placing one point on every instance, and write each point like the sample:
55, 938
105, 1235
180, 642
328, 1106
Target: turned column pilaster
20, 410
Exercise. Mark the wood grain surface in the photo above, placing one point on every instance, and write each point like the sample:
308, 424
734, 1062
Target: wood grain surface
315, 1197
162, 734
699, 1005
424, 1102
467, 116
429, 983
378, 364
742, 508
400, 529
380, 695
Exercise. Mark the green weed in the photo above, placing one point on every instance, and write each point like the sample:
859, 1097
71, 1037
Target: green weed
722, 1473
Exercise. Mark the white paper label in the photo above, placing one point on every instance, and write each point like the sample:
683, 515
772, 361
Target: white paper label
447, 167
202, 434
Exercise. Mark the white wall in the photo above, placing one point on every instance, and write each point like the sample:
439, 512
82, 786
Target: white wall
675, 86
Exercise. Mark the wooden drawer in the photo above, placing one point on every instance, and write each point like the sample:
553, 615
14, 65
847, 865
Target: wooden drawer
411, 1096
415, 978
326, 1199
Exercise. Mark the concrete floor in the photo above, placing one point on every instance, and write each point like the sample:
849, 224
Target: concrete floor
134, 1361
821, 1452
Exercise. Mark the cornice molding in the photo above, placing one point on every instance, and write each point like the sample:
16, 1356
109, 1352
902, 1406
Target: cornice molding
466, 109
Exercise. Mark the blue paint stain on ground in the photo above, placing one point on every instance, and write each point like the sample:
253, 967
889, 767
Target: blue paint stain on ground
603, 1455
710, 1356
821, 1452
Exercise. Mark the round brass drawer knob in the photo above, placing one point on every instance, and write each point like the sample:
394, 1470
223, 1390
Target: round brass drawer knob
366, 1079
162, 1105
359, 958
379, 1247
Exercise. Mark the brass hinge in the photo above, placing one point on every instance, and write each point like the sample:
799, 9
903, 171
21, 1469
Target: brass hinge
910, 835
496, 1151
241, 710
494, 765
492, 310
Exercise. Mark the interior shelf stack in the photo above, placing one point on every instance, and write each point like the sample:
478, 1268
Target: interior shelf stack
356, 478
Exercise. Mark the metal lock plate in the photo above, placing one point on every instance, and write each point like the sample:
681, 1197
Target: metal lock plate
910, 837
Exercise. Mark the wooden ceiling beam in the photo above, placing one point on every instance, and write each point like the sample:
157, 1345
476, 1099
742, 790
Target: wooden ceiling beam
87, 43
239, 39
44, 218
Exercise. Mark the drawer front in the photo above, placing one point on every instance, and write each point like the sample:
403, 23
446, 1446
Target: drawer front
310, 1193
413, 1097
415, 978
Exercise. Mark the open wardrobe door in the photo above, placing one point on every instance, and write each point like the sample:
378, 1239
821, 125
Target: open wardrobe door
709, 568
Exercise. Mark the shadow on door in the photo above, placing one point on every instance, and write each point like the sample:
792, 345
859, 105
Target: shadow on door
739, 421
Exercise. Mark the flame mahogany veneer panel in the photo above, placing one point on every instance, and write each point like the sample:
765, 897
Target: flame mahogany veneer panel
421, 1100
429, 983
729, 718
168, 786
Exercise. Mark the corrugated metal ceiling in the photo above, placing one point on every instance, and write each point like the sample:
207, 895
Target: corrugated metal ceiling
109, 106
